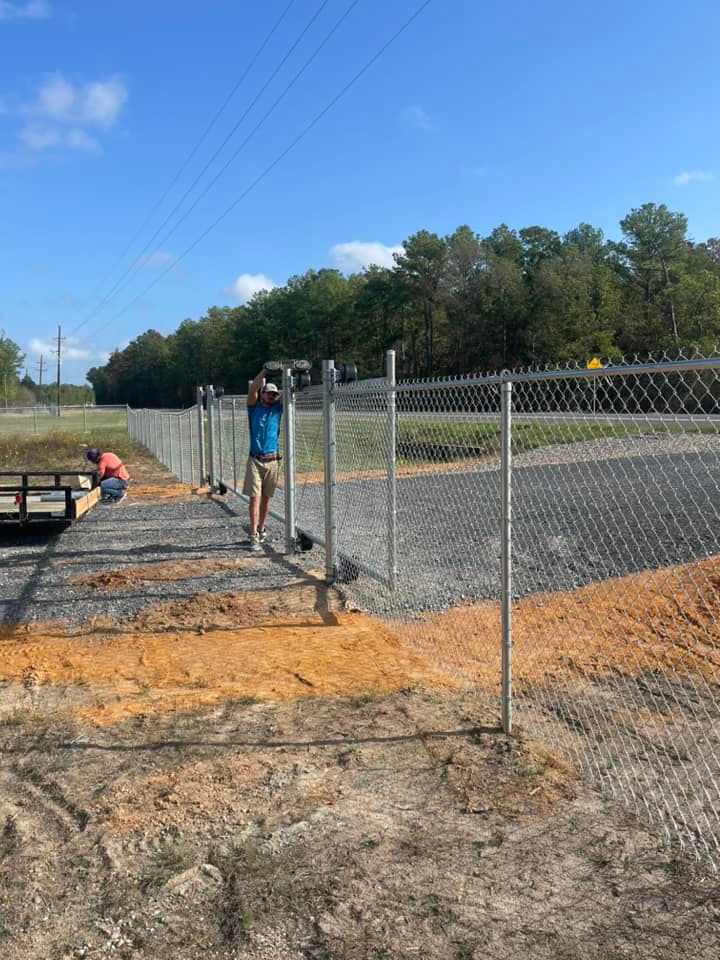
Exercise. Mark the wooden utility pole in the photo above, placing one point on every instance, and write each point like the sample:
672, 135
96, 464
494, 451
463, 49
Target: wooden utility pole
59, 353
40, 368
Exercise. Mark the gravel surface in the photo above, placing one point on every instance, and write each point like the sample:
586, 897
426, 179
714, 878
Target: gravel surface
581, 512
576, 518
36, 563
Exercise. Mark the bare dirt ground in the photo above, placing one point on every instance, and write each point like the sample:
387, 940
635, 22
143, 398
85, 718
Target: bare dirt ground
234, 765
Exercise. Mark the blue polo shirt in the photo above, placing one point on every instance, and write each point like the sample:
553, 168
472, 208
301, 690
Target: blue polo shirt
264, 427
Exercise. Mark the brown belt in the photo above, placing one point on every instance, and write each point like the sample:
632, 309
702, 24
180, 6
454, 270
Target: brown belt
266, 457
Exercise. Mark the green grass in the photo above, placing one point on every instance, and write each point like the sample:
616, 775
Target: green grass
94, 420
362, 442
64, 452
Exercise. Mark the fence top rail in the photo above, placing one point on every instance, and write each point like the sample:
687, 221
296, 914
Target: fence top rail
532, 376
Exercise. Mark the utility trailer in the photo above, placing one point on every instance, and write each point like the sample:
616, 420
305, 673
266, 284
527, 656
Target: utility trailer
31, 499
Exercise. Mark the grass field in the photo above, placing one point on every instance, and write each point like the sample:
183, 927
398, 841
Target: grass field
71, 420
362, 442
63, 451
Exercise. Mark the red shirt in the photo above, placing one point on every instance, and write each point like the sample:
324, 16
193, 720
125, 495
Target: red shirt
111, 466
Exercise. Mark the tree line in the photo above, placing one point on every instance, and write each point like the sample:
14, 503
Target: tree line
23, 391
450, 305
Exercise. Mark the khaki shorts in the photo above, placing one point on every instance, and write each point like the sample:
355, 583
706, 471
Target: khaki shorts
261, 478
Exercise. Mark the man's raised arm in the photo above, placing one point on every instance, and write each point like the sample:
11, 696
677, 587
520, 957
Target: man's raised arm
252, 397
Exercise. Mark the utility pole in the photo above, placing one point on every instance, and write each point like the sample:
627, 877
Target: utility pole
40, 368
59, 354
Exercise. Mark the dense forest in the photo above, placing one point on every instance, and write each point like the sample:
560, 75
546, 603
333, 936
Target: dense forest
451, 305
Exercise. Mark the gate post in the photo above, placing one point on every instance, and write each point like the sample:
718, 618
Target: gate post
506, 553
289, 455
329, 453
221, 450
391, 469
210, 394
201, 435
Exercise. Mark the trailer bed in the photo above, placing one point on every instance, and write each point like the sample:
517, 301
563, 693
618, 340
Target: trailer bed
29, 499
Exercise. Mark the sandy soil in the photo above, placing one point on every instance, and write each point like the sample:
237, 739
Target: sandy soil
266, 775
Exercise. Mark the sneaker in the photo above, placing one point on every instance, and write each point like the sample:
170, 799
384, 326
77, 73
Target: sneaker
262, 535
254, 546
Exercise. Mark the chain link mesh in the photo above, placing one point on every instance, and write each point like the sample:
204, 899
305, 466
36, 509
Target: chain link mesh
615, 493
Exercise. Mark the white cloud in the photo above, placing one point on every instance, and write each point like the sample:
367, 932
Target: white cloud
418, 118
155, 260
63, 114
39, 136
356, 255
688, 176
79, 140
246, 285
71, 349
33, 10
95, 104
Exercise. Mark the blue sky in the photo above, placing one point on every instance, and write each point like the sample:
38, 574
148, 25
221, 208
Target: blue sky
481, 112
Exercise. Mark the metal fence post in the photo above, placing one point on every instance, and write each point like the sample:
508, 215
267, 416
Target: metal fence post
391, 471
221, 445
201, 435
171, 446
210, 394
234, 445
181, 474
289, 455
85, 429
506, 554
329, 452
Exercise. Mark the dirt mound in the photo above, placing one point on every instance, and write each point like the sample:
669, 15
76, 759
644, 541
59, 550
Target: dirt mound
667, 620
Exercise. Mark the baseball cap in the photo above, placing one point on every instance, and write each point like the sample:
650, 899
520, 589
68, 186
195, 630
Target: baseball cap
270, 388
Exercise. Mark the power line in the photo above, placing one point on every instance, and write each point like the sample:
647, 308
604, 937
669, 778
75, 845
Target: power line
188, 159
280, 157
265, 117
134, 265
336, 26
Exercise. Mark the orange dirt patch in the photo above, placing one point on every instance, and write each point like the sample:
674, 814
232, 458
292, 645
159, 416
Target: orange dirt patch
661, 620
340, 654
162, 491
130, 576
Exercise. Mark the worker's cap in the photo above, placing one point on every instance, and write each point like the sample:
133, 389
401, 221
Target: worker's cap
92, 454
270, 388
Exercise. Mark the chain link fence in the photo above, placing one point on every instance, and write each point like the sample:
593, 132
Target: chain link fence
550, 538
82, 418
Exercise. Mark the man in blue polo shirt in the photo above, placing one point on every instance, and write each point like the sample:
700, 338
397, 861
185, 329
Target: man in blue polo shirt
265, 410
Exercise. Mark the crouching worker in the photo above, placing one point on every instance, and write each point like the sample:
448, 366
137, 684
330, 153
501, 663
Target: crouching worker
261, 474
111, 473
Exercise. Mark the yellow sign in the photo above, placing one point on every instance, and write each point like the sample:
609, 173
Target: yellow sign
594, 364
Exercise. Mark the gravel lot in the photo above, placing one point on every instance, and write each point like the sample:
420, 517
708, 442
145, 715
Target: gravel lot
36, 563
581, 513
